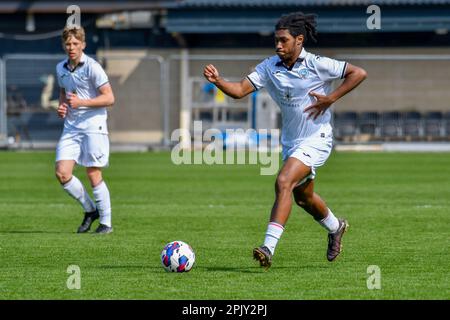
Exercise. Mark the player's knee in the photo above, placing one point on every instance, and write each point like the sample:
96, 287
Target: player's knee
63, 177
283, 183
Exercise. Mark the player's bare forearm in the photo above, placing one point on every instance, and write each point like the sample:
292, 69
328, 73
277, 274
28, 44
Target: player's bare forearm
235, 90
104, 99
353, 77
101, 101
62, 96
62, 107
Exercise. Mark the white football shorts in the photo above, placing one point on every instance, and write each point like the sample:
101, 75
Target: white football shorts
313, 152
87, 149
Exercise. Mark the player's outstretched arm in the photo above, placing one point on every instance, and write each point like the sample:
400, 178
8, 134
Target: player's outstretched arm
236, 90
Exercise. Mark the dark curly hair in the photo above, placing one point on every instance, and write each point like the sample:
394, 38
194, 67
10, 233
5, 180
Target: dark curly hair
298, 23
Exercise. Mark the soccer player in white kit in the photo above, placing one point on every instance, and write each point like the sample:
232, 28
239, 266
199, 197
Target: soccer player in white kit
85, 93
300, 83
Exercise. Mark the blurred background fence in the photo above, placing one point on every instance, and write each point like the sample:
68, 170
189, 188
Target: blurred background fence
405, 98
32, 92
154, 53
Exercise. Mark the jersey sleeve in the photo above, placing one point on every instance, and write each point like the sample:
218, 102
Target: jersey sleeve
329, 69
98, 75
258, 78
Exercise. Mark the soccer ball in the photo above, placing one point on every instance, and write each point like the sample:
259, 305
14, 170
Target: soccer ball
177, 256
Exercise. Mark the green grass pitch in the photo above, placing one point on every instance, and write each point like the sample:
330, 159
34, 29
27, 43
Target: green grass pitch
397, 204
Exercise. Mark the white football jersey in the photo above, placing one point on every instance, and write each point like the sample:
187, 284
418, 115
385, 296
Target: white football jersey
85, 80
290, 88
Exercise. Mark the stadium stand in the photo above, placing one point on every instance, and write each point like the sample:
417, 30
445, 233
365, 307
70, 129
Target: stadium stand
37, 121
346, 124
237, 31
447, 124
391, 125
369, 123
412, 125
433, 128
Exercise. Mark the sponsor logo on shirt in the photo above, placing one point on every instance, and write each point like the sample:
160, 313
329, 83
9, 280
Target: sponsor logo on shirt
287, 95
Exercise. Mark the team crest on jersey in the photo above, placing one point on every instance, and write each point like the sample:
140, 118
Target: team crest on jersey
303, 73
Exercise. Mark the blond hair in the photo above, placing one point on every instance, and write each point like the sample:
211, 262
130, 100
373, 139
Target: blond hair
77, 32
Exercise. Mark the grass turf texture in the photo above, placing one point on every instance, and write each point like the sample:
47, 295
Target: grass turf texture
397, 206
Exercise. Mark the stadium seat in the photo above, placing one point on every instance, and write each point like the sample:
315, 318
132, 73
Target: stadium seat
433, 125
447, 124
237, 116
369, 123
205, 116
390, 124
412, 125
345, 124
